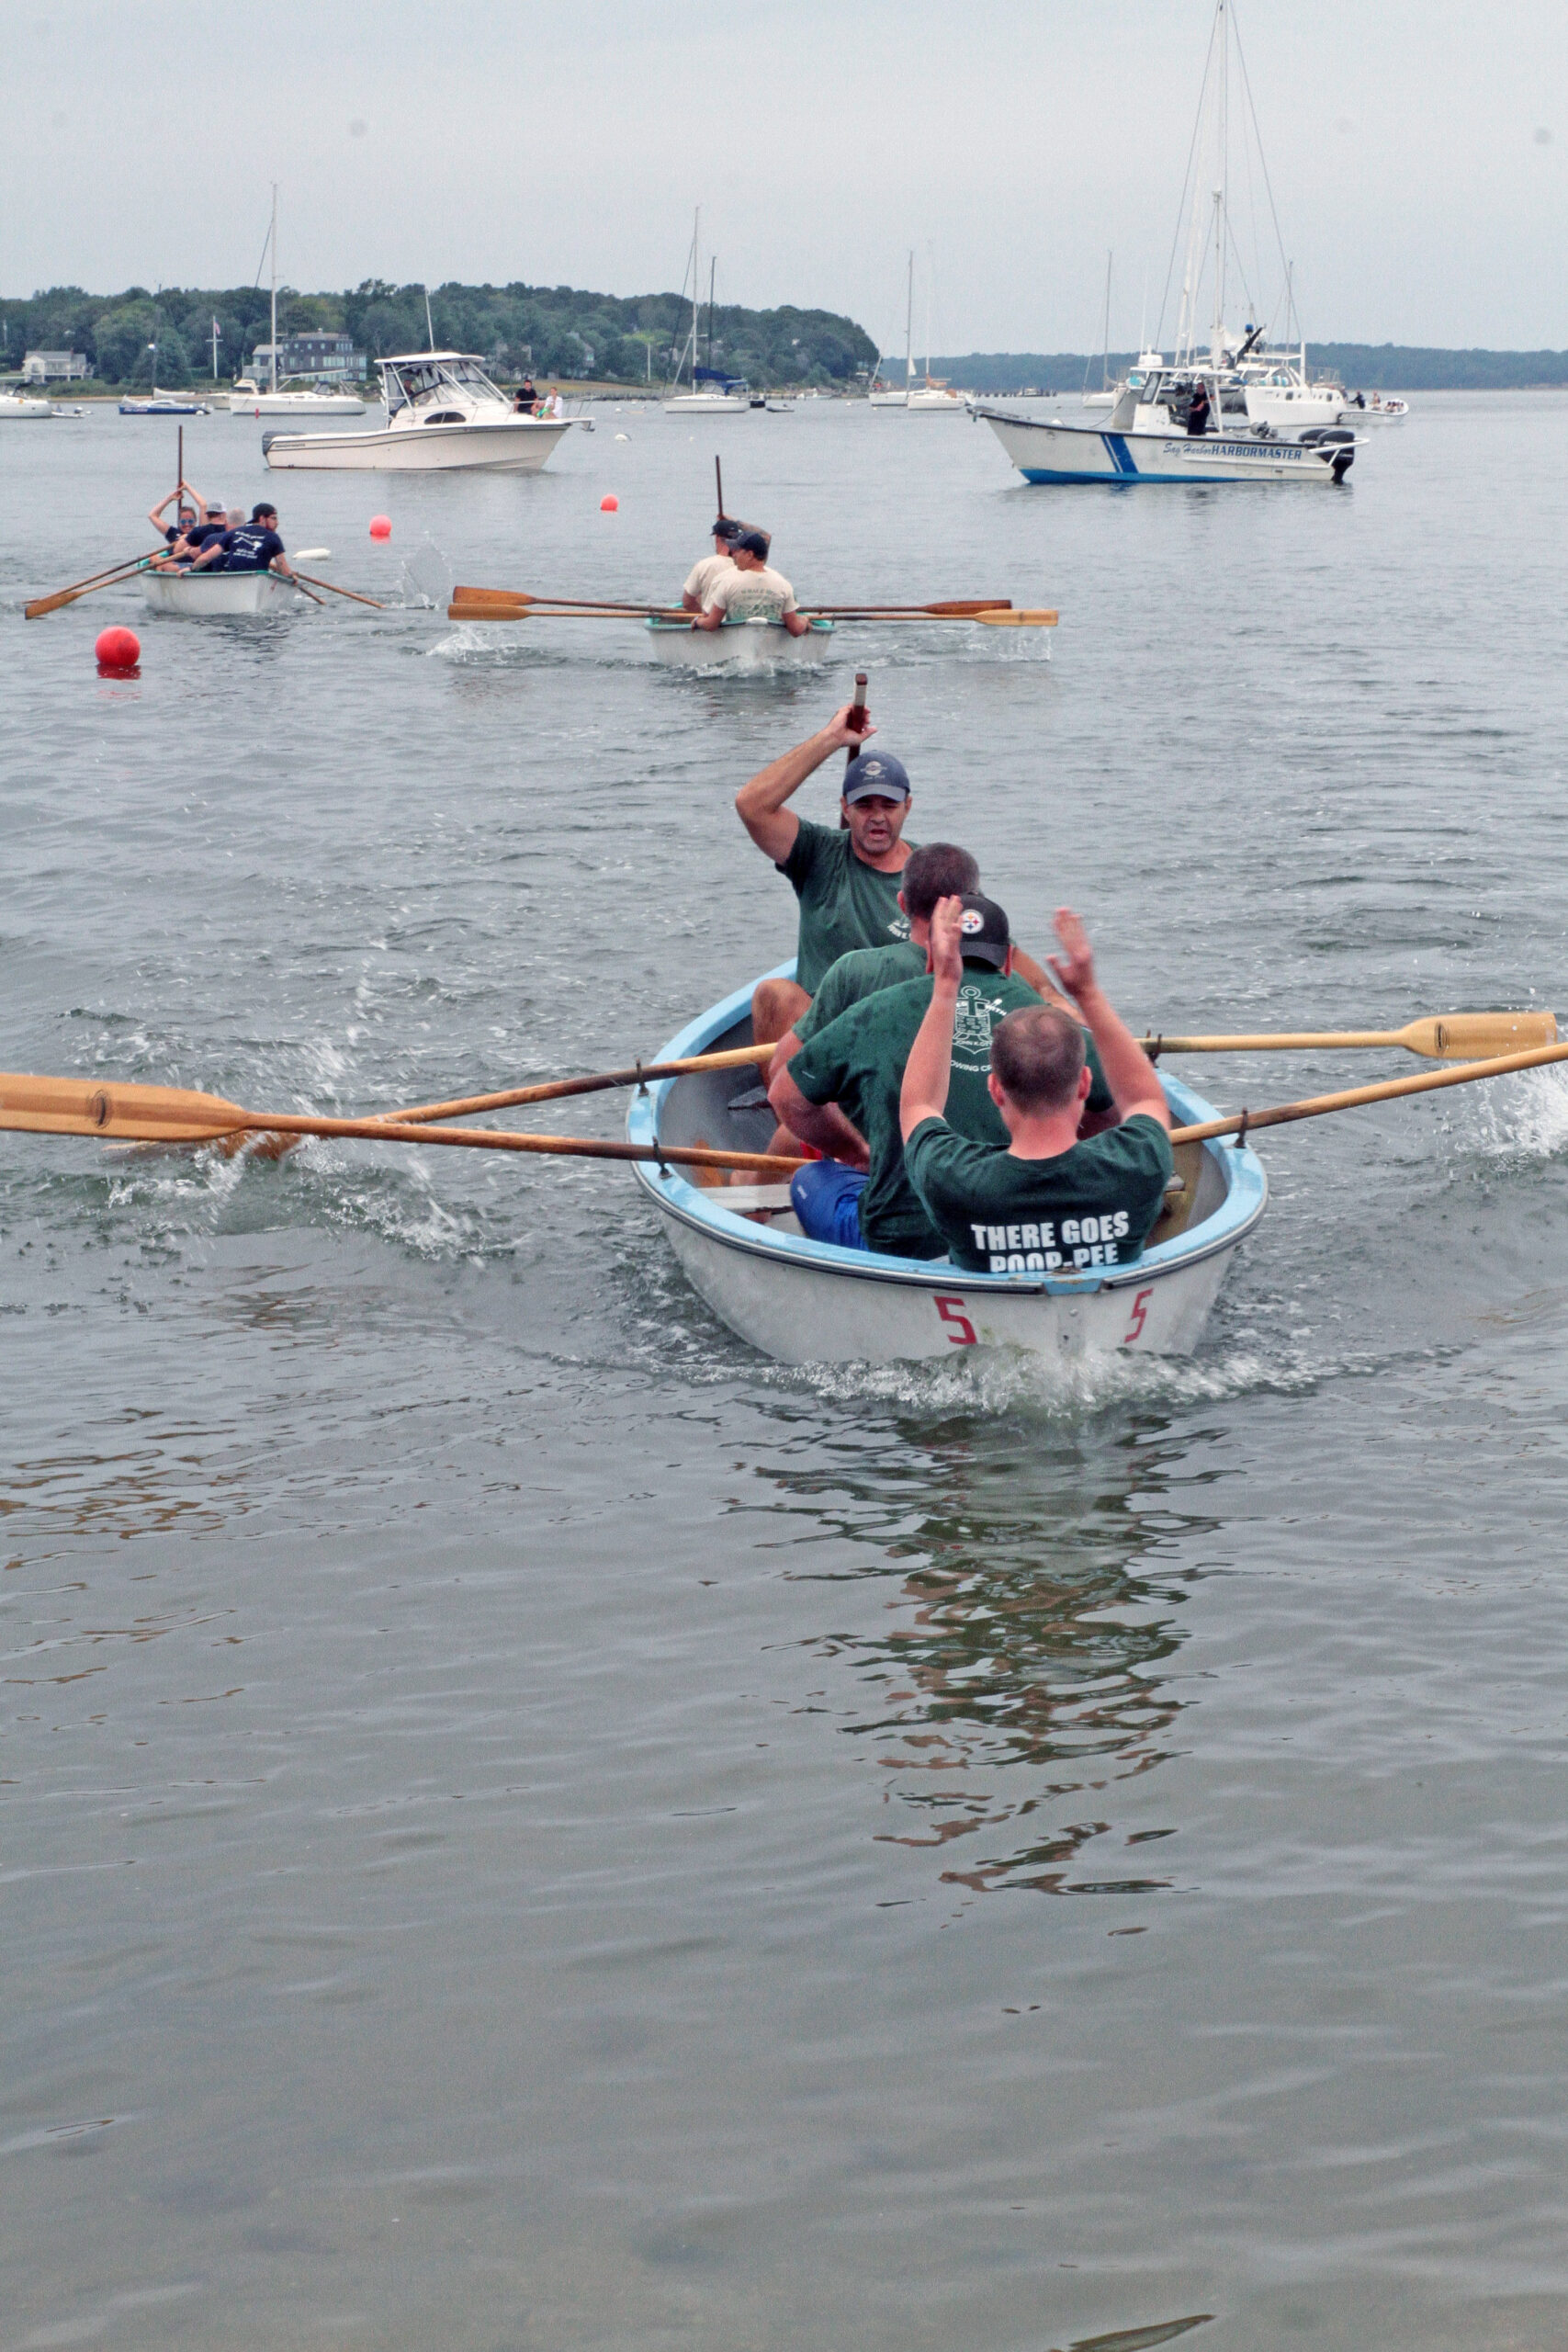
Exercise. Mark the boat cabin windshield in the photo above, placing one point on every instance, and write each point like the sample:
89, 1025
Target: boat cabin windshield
412, 383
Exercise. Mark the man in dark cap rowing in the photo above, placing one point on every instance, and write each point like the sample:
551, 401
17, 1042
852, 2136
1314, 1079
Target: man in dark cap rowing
845, 876
749, 591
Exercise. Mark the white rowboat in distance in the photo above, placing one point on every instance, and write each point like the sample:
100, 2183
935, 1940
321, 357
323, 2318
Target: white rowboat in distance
216, 595
810, 1301
745, 644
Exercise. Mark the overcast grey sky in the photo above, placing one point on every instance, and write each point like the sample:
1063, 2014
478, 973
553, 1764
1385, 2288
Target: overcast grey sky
1418, 150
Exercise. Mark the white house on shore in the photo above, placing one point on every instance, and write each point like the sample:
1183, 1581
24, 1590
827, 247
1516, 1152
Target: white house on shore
53, 366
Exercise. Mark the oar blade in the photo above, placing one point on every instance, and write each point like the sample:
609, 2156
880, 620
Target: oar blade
75, 1106
1017, 620
1473, 1036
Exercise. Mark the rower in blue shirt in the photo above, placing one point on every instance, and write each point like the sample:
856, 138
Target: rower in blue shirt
252, 547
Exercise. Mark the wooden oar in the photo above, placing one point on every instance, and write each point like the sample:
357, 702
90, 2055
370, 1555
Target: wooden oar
953, 608
516, 600
988, 618
352, 593
462, 609
295, 582
472, 1106
1444, 1036
71, 1106
1244, 1122
41, 605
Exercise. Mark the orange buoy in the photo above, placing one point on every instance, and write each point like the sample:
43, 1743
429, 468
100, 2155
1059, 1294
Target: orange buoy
380, 527
609, 504
118, 650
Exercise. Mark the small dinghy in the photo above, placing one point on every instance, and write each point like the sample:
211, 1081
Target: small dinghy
810, 1301
752, 645
215, 595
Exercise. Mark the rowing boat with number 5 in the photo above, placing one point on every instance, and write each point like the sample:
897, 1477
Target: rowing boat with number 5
807, 1302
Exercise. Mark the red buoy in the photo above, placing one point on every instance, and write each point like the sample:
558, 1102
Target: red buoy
118, 650
609, 504
380, 527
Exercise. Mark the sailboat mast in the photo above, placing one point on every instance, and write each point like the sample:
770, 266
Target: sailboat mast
909, 327
1217, 341
1105, 344
272, 242
713, 271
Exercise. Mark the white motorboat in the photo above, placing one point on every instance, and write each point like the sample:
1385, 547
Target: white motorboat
443, 415
743, 644
24, 404
1377, 410
1145, 439
216, 595
935, 398
811, 1302
159, 403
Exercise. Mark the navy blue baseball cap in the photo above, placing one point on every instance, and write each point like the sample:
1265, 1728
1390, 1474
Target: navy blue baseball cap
876, 776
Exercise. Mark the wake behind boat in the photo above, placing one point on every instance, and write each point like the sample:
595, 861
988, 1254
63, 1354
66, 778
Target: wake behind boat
443, 415
811, 1302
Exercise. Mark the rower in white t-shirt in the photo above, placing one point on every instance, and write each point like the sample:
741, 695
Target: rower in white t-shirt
751, 592
711, 568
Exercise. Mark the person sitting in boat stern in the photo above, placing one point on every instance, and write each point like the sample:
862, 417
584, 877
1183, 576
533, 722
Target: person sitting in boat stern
1044, 1202
845, 876
252, 547
841, 1093
750, 592
214, 523
708, 569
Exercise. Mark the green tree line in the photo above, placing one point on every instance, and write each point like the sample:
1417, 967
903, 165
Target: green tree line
552, 329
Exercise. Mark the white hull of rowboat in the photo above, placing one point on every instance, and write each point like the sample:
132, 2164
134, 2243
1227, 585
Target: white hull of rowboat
810, 1301
517, 444
1055, 452
749, 645
215, 595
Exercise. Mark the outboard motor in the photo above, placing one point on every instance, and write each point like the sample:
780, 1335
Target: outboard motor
1335, 437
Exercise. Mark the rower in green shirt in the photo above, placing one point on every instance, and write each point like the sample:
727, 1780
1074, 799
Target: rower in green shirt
846, 878
839, 1093
1044, 1202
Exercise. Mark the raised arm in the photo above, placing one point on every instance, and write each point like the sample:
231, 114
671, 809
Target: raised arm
760, 804
929, 1067
1128, 1072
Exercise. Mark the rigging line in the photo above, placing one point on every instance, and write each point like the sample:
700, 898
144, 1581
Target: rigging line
1262, 158
1181, 209
261, 264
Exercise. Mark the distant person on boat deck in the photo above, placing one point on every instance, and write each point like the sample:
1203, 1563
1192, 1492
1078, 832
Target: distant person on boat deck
840, 1094
252, 547
526, 399
1198, 413
1044, 1201
750, 592
845, 876
710, 568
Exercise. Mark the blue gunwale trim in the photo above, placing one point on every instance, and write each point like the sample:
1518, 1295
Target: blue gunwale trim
1247, 1192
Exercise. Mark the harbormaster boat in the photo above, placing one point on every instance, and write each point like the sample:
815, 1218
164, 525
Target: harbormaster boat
811, 1302
443, 415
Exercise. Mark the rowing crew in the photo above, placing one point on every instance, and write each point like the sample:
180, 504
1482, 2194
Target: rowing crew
955, 1102
205, 537
735, 583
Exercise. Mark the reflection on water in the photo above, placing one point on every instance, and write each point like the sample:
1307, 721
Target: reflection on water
1028, 1669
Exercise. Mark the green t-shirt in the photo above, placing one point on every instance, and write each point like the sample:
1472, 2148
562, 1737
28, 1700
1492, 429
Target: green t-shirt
1093, 1205
857, 1061
844, 902
856, 975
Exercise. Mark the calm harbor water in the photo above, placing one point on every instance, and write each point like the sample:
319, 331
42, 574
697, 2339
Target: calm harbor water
526, 1826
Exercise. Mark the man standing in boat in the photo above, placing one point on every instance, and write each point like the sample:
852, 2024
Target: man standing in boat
1044, 1202
252, 547
710, 568
749, 591
846, 877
